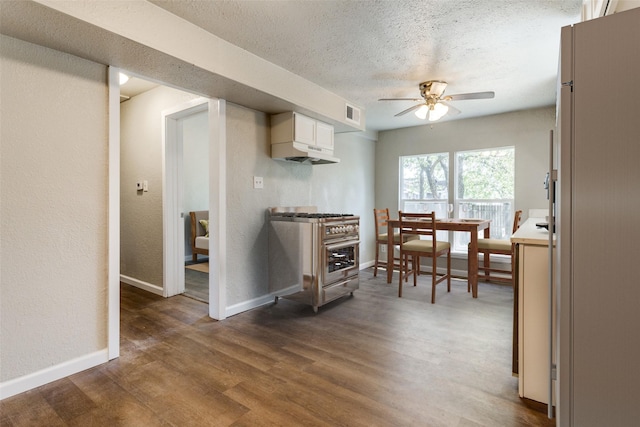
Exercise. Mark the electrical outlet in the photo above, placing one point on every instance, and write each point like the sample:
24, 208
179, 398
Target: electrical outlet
258, 182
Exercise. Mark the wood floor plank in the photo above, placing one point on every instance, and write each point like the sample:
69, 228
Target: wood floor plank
200, 367
369, 360
27, 410
66, 399
115, 405
270, 409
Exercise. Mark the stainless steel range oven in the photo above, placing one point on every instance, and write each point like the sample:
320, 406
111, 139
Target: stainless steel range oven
313, 257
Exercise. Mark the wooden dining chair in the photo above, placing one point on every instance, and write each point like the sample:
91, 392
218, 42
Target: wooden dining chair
381, 219
488, 247
423, 226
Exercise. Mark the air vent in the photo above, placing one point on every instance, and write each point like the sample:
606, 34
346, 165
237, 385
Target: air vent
352, 114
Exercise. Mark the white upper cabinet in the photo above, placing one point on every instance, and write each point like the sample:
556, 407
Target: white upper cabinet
292, 126
304, 129
324, 135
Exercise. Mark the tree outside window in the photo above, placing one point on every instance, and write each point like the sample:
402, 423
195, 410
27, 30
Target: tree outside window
484, 188
424, 183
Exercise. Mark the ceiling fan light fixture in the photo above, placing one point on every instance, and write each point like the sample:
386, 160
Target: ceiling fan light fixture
433, 103
437, 111
421, 112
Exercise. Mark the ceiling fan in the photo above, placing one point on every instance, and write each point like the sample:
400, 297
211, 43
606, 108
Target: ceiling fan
432, 102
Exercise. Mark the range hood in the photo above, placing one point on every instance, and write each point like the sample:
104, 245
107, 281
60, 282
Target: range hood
299, 152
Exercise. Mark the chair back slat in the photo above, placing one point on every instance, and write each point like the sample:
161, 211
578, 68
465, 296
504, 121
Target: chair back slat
488, 269
418, 224
421, 224
516, 221
381, 219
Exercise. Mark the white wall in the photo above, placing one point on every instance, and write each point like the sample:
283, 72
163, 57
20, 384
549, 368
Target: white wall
351, 189
141, 253
53, 170
343, 187
527, 130
195, 143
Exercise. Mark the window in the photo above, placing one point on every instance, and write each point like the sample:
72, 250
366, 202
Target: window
484, 188
424, 185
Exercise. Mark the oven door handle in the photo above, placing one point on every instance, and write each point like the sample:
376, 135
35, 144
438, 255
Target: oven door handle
343, 243
340, 283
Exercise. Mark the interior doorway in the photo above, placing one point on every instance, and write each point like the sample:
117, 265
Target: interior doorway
185, 189
174, 238
174, 212
192, 147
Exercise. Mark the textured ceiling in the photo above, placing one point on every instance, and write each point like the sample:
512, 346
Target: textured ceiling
365, 50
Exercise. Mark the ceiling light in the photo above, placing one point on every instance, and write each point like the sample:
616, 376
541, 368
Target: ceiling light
421, 112
437, 111
123, 78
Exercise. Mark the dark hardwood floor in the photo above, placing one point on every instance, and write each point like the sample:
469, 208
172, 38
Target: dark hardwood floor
369, 360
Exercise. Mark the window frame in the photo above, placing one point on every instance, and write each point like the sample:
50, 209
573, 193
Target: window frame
459, 240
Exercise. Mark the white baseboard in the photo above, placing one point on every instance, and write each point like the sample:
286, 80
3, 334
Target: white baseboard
154, 289
257, 302
53, 373
367, 264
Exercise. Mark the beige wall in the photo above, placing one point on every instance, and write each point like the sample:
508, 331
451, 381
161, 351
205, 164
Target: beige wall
53, 211
141, 159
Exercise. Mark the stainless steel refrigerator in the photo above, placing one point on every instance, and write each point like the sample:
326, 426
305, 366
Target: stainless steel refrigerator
597, 348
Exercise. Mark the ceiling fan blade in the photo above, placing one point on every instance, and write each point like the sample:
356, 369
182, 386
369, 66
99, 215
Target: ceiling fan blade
475, 95
453, 111
401, 99
408, 110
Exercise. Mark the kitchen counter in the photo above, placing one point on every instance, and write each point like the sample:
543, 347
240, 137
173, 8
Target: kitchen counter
529, 234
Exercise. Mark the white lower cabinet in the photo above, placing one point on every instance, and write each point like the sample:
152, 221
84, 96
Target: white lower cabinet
532, 290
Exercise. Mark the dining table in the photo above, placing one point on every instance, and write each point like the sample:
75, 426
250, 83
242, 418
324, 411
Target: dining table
473, 226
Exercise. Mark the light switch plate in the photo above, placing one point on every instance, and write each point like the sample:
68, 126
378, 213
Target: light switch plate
258, 182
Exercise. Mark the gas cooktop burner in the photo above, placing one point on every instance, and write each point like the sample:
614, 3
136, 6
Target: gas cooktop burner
310, 215
321, 215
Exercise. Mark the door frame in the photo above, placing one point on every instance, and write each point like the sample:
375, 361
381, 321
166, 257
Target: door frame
172, 194
173, 236
217, 208
113, 252
217, 205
